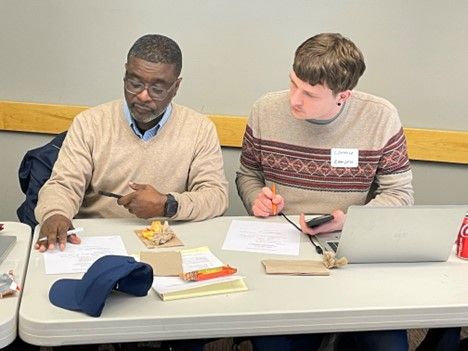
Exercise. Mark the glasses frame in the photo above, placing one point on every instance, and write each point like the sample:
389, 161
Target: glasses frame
147, 87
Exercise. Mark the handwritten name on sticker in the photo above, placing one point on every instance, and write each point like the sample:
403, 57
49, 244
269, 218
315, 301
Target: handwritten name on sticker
344, 157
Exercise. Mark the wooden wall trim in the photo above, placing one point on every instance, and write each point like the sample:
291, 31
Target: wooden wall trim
423, 144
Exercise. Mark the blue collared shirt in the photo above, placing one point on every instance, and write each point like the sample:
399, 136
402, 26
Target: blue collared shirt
147, 135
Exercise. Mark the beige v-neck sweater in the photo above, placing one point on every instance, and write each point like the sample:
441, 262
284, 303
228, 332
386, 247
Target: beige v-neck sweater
101, 152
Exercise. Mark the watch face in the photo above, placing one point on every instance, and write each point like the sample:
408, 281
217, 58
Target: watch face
171, 206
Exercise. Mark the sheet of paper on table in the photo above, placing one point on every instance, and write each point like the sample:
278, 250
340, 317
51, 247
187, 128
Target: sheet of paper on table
264, 237
78, 258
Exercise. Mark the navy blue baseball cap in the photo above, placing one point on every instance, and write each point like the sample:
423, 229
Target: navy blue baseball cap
111, 272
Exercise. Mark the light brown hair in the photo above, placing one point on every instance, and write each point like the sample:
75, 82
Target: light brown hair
329, 59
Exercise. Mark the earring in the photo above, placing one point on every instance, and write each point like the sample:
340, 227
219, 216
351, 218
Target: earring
339, 104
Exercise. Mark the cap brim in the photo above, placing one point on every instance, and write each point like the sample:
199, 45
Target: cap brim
63, 294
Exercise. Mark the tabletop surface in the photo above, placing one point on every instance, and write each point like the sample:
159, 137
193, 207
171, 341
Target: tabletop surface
356, 297
16, 261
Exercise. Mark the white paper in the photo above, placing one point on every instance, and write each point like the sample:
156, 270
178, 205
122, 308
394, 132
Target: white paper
199, 258
192, 260
344, 157
258, 236
78, 258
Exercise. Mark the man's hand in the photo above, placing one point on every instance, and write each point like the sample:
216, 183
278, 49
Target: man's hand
263, 204
54, 230
144, 202
335, 224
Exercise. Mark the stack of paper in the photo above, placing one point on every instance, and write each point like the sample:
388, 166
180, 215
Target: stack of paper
172, 288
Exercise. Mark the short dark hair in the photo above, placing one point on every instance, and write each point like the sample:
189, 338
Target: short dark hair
157, 48
330, 59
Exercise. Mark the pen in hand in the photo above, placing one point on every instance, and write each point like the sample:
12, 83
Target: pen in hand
109, 194
273, 206
70, 232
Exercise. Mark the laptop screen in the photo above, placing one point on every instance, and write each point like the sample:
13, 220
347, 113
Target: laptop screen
399, 234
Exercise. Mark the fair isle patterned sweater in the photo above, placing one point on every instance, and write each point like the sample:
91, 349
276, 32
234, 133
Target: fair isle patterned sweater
296, 155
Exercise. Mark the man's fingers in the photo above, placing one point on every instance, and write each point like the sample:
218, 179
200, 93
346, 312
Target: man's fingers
41, 246
260, 210
305, 228
259, 213
136, 186
74, 239
61, 236
53, 231
263, 205
335, 224
267, 192
126, 199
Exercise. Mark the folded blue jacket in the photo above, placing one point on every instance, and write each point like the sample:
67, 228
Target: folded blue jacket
34, 170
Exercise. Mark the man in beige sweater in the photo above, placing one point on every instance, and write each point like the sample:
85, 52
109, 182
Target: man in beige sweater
165, 159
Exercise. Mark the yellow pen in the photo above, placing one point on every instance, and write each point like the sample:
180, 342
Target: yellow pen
208, 273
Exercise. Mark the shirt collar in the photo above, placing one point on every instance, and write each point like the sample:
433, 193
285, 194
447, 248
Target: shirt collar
326, 121
150, 133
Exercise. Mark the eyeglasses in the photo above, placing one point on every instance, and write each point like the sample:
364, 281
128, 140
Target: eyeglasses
155, 92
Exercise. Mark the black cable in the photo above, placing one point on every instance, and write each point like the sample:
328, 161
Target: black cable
318, 249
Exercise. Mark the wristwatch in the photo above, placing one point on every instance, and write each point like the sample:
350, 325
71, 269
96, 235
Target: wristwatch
171, 206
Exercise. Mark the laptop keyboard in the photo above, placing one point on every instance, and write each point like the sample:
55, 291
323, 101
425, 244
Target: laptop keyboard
333, 245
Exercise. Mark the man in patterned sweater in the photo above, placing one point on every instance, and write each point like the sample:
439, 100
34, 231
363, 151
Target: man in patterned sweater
325, 147
164, 158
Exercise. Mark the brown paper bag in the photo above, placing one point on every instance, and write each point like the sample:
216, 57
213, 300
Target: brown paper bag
164, 263
295, 267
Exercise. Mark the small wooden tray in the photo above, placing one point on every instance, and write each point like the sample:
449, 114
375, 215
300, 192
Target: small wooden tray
175, 241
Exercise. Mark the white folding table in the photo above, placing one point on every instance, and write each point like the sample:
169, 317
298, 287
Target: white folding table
353, 298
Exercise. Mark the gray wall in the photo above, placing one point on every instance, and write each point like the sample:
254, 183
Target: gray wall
73, 52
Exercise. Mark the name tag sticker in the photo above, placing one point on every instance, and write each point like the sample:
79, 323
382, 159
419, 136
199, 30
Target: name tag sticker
344, 157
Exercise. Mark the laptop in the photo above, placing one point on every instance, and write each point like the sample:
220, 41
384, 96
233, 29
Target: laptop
6, 244
396, 234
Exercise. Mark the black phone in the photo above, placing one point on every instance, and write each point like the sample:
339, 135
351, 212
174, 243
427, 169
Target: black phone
314, 222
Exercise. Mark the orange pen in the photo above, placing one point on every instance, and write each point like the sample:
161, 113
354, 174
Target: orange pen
273, 190
209, 273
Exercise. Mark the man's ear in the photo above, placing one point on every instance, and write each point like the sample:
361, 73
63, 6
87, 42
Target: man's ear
176, 88
344, 95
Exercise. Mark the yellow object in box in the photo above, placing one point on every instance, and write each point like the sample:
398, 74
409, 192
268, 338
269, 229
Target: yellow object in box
154, 228
148, 234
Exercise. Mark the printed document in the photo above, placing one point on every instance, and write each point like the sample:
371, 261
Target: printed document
78, 258
264, 237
